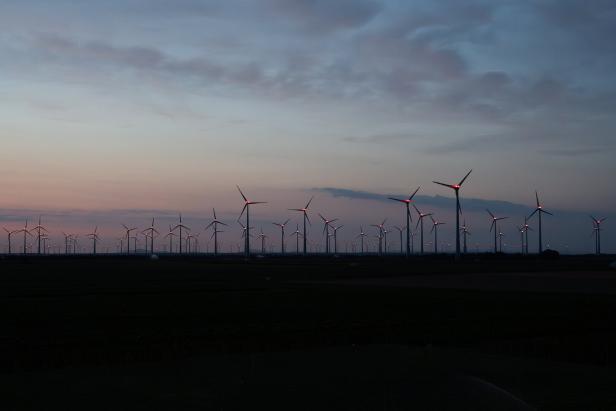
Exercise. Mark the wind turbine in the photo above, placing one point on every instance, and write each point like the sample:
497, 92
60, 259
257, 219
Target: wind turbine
296, 233
180, 226
385, 238
409, 219
435, 224
336, 237
361, 236
45, 237
244, 230
282, 226
26, 232
326, 224
521, 231
540, 211
380, 227
420, 222
38, 228
215, 222
94, 237
74, 241
500, 241
413, 234
407, 242
247, 204
526, 228
465, 233
151, 231
10, 234
67, 239
189, 239
128, 237
456, 188
597, 230
170, 234
215, 237
494, 226
305, 212
262, 236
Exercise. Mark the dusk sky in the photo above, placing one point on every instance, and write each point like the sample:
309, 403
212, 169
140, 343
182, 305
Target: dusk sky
166, 105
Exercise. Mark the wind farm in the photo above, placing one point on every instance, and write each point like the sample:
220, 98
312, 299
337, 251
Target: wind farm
156, 155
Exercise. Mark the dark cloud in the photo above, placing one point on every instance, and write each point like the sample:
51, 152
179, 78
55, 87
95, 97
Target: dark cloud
469, 204
322, 16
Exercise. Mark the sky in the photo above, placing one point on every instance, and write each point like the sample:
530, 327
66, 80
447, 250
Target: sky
127, 110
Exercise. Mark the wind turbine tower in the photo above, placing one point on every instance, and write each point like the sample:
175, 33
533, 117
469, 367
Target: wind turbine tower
282, 226
409, 219
247, 204
456, 188
420, 223
597, 231
539, 210
215, 223
306, 219
38, 229
435, 224
494, 226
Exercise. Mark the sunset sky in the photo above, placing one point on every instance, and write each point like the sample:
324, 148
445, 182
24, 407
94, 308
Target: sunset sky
128, 109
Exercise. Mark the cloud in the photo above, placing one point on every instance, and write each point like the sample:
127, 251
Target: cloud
468, 204
379, 138
322, 16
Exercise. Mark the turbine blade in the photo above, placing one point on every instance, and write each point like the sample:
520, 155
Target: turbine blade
309, 201
465, 177
443, 184
397, 199
414, 192
537, 197
547, 212
533, 213
243, 209
242, 194
492, 226
489, 212
307, 218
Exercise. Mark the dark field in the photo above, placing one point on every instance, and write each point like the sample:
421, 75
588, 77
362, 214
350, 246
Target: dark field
490, 332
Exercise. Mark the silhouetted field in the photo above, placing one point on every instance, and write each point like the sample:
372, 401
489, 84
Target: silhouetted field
532, 326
